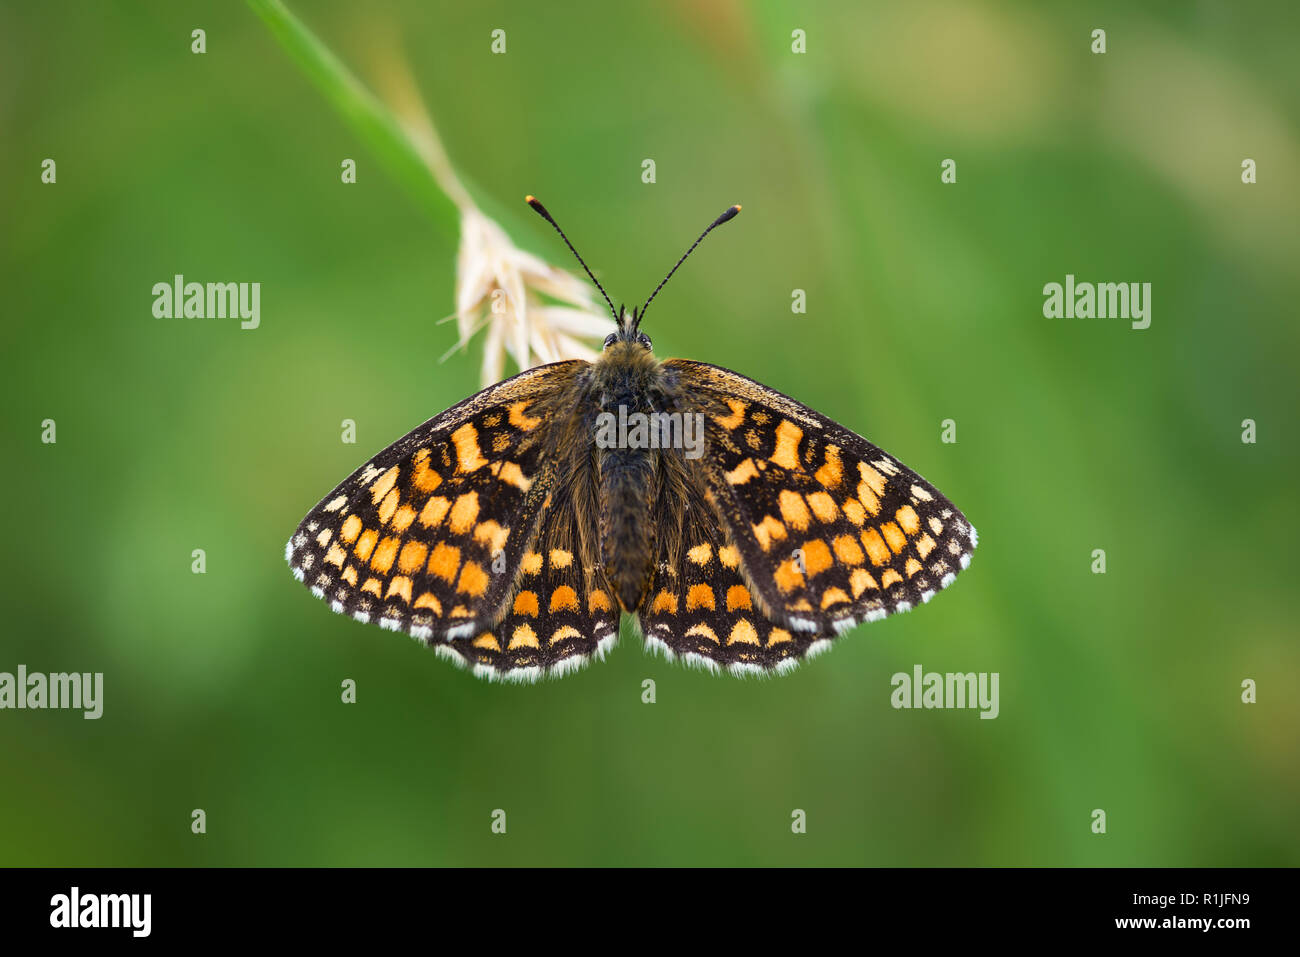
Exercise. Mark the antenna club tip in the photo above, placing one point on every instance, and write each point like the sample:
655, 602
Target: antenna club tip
737, 208
730, 214
538, 208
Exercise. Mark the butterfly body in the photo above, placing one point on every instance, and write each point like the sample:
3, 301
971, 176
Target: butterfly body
626, 379
739, 528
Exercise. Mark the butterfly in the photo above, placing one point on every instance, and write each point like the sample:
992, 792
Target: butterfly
741, 530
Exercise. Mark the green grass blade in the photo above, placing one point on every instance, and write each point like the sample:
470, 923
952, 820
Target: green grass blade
369, 118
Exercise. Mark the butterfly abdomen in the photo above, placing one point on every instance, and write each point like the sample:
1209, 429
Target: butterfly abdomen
627, 537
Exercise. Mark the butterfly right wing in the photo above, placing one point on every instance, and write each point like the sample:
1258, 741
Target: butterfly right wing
700, 608
831, 530
428, 537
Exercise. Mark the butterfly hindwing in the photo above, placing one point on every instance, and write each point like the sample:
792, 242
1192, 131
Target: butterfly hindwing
831, 531
429, 536
562, 612
701, 609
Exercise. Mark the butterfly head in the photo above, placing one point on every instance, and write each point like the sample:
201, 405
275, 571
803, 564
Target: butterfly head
629, 323
629, 330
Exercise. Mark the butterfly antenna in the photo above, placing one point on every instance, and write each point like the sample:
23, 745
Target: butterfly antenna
728, 215
541, 211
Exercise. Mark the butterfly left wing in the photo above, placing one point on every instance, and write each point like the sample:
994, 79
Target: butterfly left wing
562, 614
831, 531
428, 537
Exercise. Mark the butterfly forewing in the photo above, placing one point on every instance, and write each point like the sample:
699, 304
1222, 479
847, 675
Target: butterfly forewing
831, 531
429, 536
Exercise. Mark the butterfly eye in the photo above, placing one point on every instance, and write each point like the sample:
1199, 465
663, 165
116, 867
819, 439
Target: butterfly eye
644, 340
611, 339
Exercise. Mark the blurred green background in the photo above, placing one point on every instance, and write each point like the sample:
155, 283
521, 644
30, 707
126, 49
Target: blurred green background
222, 691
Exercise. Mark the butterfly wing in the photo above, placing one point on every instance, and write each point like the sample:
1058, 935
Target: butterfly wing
700, 608
561, 615
429, 536
830, 530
